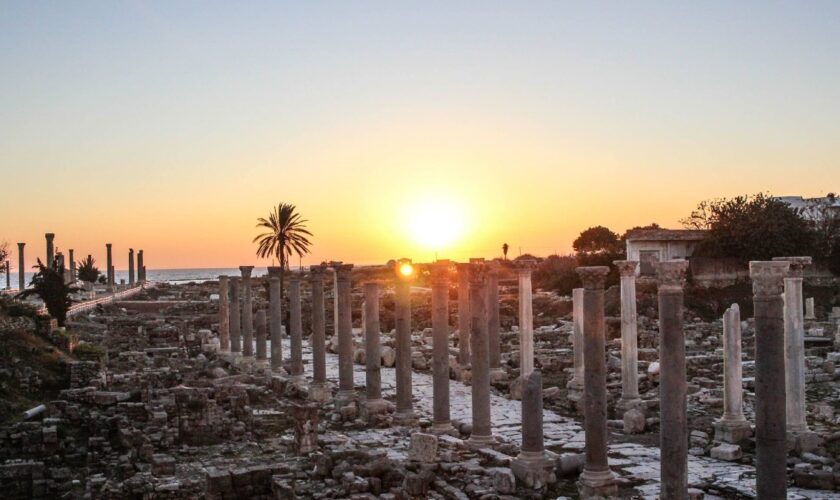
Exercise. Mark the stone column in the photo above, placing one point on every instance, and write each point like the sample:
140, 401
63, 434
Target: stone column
441, 422
8, 275
597, 479
235, 324
224, 315
72, 265
295, 328
493, 325
130, 267
533, 466
770, 435
21, 268
402, 313
306, 428
463, 315
110, 269
794, 344
262, 356
629, 341
374, 404
733, 426
575, 385
275, 312
334, 264
482, 432
526, 321
141, 269
346, 388
247, 312
50, 249
673, 434
318, 390
809, 308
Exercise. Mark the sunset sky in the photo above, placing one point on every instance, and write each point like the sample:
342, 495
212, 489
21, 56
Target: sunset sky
172, 126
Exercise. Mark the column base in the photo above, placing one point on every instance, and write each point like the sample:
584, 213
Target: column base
443, 428
732, 430
373, 408
497, 375
803, 441
344, 398
476, 442
320, 392
597, 483
405, 417
629, 403
535, 469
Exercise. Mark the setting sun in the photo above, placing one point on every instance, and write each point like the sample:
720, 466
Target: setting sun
436, 223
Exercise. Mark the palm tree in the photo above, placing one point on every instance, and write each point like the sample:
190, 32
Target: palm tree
505, 249
48, 284
286, 234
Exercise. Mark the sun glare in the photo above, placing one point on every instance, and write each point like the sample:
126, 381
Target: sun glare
406, 269
435, 224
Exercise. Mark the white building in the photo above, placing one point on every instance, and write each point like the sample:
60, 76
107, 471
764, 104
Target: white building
651, 245
809, 207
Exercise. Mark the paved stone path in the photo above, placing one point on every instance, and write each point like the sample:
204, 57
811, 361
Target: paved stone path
562, 434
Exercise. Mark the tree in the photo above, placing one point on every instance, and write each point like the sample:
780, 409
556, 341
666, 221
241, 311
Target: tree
756, 227
505, 249
824, 217
286, 234
87, 271
557, 272
597, 240
48, 284
4, 254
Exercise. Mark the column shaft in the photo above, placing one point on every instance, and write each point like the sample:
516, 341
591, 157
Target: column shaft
21, 267
261, 336
463, 314
276, 318
296, 327
319, 356
629, 340
795, 355
482, 432
440, 346
247, 312
373, 355
224, 315
403, 360
577, 339
526, 323
345, 335
493, 322
235, 325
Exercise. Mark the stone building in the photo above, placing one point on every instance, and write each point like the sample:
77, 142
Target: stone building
654, 245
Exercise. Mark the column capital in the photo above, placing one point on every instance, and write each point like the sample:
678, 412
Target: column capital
525, 266
294, 277
593, 277
768, 277
21, 245
797, 265
274, 271
343, 271
440, 272
49, 236
626, 267
223, 278
462, 267
671, 273
478, 272
108, 245
316, 272
246, 271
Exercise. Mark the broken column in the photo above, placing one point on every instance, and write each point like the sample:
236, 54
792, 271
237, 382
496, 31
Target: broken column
8, 267
575, 385
374, 404
110, 268
130, 267
21, 267
770, 436
809, 308
597, 479
493, 325
235, 324
482, 432
275, 317
629, 341
261, 337
141, 269
533, 466
295, 328
463, 318
224, 315
306, 427
404, 272
441, 422
318, 389
526, 320
50, 237
72, 265
247, 312
673, 434
346, 391
733, 426
794, 344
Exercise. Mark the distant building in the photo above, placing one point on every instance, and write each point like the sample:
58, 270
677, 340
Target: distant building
652, 245
806, 206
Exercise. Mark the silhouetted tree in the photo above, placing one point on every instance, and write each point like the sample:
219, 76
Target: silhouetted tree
505, 249
87, 271
49, 285
286, 234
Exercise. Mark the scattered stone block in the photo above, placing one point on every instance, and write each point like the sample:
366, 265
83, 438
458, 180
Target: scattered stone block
726, 451
423, 447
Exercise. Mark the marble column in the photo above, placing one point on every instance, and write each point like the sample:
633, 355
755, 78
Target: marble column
72, 265
333, 265
8, 266
346, 388
141, 269
482, 432
809, 308
374, 404
224, 315
235, 324
597, 479
441, 422
275, 313
50, 249
575, 385
526, 320
733, 426
21, 268
629, 340
770, 435
794, 344
463, 315
262, 355
673, 390
533, 466
318, 389
402, 313
247, 312
130, 267
493, 325
110, 268
295, 328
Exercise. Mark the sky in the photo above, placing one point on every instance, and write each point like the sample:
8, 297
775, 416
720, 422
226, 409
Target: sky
401, 129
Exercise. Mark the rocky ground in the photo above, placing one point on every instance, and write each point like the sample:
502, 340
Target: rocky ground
145, 407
